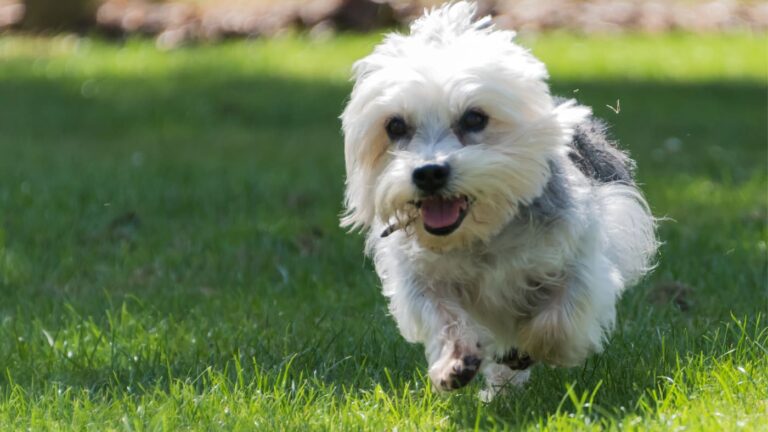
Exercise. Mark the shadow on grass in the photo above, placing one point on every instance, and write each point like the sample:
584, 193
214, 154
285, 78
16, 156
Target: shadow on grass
235, 184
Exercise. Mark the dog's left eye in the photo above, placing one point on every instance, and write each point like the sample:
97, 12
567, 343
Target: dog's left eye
473, 121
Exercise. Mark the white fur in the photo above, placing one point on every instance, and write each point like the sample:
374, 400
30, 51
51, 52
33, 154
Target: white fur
497, 282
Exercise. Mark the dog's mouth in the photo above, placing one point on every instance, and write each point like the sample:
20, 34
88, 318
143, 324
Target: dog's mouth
443, 215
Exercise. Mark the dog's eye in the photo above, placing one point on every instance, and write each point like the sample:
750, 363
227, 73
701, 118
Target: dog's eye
473, 121
396, 128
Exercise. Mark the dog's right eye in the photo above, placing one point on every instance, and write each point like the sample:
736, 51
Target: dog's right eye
396, 128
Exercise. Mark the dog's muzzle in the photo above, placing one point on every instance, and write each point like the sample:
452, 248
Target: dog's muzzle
441, 215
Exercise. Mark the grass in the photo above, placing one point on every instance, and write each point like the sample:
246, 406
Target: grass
170, 257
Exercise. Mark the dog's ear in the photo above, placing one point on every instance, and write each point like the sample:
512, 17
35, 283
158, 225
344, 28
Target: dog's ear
363, 146
359, 207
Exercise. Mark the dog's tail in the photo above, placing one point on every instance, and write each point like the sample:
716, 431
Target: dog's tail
630, 229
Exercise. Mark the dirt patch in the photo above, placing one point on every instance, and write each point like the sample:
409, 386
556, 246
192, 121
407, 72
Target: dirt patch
674, 292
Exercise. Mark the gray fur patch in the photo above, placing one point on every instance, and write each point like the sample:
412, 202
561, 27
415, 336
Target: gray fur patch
552, 202
597, 157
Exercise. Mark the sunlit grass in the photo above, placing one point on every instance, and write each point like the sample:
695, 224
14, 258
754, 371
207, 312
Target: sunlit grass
684, 57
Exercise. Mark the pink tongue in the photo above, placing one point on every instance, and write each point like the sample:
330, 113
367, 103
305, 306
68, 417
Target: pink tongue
440, 213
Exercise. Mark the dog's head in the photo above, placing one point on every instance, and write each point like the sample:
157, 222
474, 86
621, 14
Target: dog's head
449, 130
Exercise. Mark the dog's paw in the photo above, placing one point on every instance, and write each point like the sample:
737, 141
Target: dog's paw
516, 360
500, 379
454, 373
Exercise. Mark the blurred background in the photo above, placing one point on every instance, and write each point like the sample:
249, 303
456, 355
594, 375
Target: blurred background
178, 21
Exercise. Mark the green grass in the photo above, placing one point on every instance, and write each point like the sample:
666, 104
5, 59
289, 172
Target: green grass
170, 256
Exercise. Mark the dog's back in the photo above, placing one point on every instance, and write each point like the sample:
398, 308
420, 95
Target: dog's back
595, 155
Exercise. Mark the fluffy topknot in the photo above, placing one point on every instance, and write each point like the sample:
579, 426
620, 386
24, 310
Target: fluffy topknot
449, 21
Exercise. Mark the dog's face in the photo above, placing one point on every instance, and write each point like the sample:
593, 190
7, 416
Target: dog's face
449, 131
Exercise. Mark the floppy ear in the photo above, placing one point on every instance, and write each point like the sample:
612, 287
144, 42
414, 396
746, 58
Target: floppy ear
359, 207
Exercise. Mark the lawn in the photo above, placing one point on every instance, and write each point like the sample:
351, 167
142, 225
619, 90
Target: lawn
170, 256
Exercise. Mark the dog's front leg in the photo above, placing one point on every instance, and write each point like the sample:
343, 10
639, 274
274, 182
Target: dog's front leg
454, 352
451, 340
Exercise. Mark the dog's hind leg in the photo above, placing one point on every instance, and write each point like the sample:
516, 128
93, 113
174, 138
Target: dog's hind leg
573, 324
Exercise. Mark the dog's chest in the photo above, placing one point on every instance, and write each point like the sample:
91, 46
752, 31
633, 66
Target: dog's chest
478, 277
450, 270
495, 288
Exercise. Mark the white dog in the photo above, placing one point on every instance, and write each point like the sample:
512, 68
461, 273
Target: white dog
503, 224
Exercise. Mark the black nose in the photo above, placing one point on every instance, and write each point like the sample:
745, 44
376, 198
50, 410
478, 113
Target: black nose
430, 178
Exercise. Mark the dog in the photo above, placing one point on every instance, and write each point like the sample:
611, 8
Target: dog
502, 222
